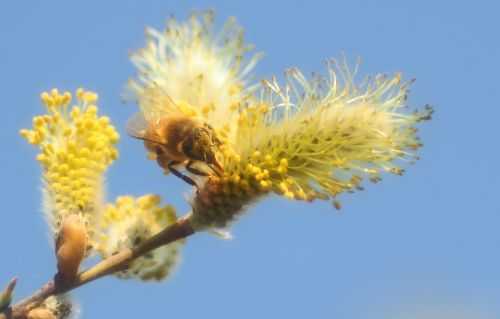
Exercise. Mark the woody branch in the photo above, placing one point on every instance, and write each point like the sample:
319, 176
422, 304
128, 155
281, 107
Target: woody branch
178, 230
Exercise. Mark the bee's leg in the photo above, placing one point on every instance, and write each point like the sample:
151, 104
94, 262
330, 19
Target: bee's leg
194, 170
185, 178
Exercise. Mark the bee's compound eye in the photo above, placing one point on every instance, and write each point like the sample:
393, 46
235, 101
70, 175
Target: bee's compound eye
216, 140
158, 150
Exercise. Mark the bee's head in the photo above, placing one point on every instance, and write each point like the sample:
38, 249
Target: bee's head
215, 142
201, 145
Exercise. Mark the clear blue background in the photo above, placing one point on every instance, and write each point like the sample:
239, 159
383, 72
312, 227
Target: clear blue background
424, 242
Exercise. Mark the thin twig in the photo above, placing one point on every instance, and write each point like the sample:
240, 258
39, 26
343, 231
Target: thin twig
180, 229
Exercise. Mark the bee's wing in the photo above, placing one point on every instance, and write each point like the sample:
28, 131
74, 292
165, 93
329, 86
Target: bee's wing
136, 126
156, 103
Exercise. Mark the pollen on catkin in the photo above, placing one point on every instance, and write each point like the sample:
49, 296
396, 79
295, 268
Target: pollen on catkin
132, 220
307, 139
76, 147
204, 70
312, 139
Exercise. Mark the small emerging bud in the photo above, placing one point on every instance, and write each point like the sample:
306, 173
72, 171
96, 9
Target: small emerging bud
55, 307
7, 294
70, 245
41, 313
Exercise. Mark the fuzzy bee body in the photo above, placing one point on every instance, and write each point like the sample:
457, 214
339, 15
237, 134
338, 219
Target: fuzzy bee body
174, 137
168, 135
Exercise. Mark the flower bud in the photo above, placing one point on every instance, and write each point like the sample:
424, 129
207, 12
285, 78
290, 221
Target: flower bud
55, 307
7, 294
41, 313
70, 245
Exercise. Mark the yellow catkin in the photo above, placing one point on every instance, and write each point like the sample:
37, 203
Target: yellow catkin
130, 221
311, 139
76, 147
212, 91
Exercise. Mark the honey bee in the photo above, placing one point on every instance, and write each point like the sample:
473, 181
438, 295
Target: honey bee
174, 137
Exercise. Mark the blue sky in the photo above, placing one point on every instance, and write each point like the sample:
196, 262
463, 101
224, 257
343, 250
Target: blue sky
425, 244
